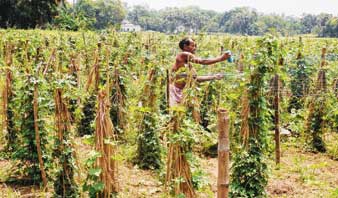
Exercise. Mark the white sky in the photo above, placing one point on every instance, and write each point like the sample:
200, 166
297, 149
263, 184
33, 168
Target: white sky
288, 7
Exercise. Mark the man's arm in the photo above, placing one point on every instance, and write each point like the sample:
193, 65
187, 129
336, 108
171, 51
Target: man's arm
209, 77
203, 78
193, 59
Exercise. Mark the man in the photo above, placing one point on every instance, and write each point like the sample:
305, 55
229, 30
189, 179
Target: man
183, 64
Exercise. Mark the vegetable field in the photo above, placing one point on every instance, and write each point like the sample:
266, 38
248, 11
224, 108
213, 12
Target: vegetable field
86, 114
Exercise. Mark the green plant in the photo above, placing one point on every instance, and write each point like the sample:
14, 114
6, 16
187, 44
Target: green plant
64, 185
25, 149
250, 170
85, 126
149, 149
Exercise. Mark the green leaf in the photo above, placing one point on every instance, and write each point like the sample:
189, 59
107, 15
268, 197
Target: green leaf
88, 139
95, 172
98, 186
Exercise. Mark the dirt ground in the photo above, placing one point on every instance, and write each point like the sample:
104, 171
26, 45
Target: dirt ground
301, 174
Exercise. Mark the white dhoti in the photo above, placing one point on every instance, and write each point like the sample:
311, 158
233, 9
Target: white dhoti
175, 95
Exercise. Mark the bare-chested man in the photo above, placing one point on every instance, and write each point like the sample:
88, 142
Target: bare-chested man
183, 64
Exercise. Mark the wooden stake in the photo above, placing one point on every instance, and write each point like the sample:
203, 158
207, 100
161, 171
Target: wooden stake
276, 107
37, 136
167, 90
7, 91
323, 62
223, 154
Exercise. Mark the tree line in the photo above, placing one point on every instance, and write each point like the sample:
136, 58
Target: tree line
102, 14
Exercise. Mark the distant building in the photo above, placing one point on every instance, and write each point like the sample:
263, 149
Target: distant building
126, 26
181, 28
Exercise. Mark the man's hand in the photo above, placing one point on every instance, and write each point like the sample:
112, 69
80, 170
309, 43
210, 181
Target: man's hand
226, 55
218, 76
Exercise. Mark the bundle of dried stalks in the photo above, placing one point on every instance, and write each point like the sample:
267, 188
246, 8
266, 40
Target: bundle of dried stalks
119, 98
51, 61
275, 88
321, 81
37, 136
240, 63
148, 99
315, 123
178, 177
245, 119
105, 144
7, 89
62, 116
65, 186
192, 101
94, 72
196, 114
335, 86
74, 68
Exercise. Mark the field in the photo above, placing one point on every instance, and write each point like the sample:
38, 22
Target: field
86, 114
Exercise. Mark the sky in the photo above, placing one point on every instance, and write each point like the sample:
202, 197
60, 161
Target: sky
287, 7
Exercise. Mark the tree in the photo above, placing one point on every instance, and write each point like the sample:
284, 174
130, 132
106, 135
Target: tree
331, 28
147, 18
240, 20
27, 14
108, 12
308, 22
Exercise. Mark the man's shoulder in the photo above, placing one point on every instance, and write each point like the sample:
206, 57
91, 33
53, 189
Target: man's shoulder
183, 55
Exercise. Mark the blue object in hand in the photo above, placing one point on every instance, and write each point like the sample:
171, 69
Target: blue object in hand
230, 59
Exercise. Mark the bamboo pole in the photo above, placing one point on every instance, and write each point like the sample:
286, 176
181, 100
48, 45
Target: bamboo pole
36, 125
37, 136
7, 87
168, 88
276, 121
223, 153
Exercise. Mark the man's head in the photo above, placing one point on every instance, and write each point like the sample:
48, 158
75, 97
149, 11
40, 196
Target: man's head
188, 45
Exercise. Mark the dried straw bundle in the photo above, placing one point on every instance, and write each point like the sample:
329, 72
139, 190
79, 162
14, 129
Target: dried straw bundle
178, 175
65, 185
119, 99
335, 87
148, 98
62, 116
321, 81
94, 72
245, 119
105, 144
6, 92
191, 100
315, 123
